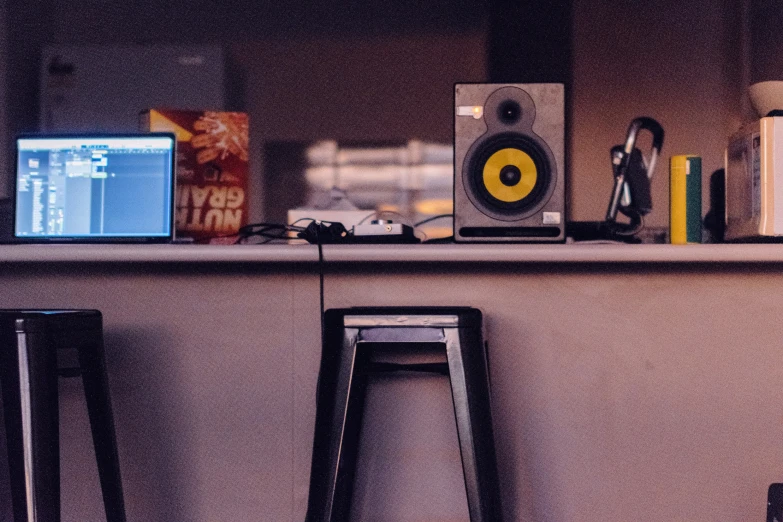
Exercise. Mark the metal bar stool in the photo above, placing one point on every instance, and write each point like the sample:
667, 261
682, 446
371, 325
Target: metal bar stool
350, 338
29, 342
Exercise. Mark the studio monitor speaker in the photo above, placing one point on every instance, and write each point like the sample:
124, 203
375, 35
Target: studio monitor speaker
509, 163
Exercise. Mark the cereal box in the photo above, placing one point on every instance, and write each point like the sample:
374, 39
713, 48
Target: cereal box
212, 169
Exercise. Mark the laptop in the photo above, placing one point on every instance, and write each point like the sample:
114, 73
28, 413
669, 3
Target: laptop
95, 188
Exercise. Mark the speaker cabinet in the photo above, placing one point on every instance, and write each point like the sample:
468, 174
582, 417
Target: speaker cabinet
509, 163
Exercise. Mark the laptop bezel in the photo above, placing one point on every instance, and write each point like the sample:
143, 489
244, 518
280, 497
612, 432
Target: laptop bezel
105, 238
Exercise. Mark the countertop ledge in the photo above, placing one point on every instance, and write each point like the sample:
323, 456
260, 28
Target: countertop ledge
485, 254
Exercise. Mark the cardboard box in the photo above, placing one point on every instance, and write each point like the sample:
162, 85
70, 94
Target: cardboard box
212, 169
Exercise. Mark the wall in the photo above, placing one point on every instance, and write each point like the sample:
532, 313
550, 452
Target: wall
766, 63
204, 419
380, 88
4, 163
678, 62
620, 392
304, 71
375, 72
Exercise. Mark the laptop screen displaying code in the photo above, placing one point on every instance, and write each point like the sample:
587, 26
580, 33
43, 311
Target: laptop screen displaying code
94, 187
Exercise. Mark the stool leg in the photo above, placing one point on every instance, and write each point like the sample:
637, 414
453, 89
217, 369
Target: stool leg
96, 390
470, 392
30, 402
337, 426
12, 411
352, 427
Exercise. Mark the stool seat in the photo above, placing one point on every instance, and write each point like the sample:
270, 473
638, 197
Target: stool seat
29, 342
50, 320
351, 336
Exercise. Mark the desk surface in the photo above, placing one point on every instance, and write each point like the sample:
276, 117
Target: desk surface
593, 253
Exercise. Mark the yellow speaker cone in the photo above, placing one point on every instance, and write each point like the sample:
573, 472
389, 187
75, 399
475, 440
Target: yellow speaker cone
510, 175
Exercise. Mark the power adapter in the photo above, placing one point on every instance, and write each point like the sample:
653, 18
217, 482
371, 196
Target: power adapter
318, 232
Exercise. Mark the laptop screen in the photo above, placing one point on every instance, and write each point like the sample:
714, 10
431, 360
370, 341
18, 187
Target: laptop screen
95, 188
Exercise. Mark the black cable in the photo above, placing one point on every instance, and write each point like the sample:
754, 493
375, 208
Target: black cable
268, 238
265, 230
265, 233
249, 229
368, 216
634, 227
305, 219
321, 284
433, 218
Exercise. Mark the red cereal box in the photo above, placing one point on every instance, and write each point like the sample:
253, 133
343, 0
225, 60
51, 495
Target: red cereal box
212, 169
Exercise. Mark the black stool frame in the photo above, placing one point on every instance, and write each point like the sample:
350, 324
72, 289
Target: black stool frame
342, 382
29, 341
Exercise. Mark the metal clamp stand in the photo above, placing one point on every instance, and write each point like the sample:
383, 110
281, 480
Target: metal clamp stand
631, 193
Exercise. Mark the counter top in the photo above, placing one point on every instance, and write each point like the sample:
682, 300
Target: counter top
587, 253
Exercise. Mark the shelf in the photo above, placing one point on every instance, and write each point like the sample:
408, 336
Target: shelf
448, 254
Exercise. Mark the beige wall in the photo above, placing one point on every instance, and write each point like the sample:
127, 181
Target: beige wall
678, 62
620, 392
201, 383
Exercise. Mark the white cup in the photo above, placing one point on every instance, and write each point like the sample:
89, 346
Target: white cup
766, 96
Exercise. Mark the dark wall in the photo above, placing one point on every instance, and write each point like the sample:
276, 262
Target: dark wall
303, 70
35, 23
373, 89
529, 41
766, 21
678, 62
378, 69
4, 160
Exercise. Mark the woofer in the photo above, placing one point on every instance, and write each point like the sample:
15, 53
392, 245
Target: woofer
510, 174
